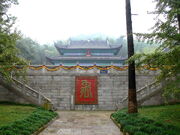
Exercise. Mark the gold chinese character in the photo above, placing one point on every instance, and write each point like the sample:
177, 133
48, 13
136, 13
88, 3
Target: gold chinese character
86, 89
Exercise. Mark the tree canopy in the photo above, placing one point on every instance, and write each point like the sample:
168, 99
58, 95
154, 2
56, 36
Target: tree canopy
34, 52
166, 57
8, 38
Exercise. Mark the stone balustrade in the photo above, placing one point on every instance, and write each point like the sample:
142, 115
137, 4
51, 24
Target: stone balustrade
142, 94
32, 93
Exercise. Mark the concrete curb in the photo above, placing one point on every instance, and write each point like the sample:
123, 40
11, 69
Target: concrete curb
45, 126
119, 126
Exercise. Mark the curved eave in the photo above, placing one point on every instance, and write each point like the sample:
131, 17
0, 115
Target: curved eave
83, 58
49, 59
66, 48
62, 49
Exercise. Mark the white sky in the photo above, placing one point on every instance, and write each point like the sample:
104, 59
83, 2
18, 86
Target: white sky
49, 20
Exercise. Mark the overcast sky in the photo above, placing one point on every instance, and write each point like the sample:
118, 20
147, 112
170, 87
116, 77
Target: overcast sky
49, 20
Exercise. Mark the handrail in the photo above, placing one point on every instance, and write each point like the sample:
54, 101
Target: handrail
30, 93
144, 88
40, 98
139, 90
31, 89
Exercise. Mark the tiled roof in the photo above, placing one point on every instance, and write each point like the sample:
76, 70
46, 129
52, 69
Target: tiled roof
80, 44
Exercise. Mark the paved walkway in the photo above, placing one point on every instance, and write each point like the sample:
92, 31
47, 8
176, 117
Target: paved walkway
82, 123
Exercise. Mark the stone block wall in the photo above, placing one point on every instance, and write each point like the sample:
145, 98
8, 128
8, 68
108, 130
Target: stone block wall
59, 86
7, 95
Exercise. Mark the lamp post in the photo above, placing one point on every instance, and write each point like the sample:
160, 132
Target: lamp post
132, 100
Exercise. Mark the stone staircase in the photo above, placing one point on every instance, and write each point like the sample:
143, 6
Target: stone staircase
31, 95
143, 94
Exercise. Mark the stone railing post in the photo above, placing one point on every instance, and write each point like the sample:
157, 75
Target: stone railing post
148, 88
72, 102
39, 98
24, 89
47, 105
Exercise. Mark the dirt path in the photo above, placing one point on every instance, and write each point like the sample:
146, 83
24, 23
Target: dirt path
82, 123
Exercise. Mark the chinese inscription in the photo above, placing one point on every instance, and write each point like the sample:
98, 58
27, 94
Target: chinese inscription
85, 89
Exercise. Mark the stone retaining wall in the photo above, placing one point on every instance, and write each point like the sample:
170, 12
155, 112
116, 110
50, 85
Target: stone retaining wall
59, 86
7, 95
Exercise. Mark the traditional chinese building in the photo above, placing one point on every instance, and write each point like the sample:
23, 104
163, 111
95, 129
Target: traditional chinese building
87, 53
77, 87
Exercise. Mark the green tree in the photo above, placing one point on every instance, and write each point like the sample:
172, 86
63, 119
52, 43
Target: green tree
30, 50
8, 37
166, 57
34, 52
49, 50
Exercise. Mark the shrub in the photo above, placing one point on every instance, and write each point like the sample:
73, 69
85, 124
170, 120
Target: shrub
137, 125
28, 125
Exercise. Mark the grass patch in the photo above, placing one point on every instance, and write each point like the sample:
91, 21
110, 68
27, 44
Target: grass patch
11, 113
160, 120
22, 119
169, 114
